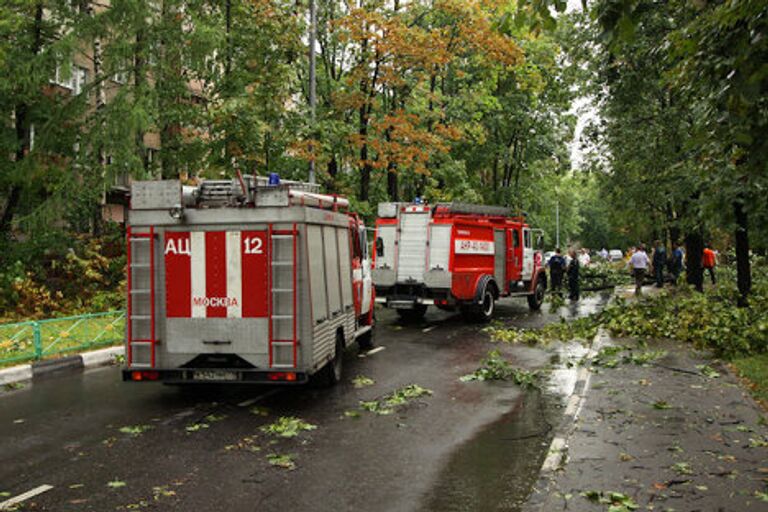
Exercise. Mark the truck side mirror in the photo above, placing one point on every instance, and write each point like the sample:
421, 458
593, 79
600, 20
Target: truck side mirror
379, 247
540, 242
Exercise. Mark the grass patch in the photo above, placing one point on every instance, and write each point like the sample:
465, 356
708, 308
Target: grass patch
755, 370
57, 336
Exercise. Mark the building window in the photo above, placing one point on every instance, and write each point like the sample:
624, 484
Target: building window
73, 78
120, 77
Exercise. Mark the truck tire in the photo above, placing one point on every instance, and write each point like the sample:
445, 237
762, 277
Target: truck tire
482, 312
413, 315
536, 299
330, 374
365, 342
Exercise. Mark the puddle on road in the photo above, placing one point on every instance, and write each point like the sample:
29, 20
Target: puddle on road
497, 469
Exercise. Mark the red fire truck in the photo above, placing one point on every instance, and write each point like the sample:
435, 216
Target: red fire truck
455, 256
243, 280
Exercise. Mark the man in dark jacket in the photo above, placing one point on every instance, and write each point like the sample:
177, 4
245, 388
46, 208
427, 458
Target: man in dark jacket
659, 262
556, 266
573, 275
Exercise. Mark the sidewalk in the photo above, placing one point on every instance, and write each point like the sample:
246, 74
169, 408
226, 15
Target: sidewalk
666, 435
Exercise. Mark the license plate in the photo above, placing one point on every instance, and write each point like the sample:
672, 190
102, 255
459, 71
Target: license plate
214, 375
401, 304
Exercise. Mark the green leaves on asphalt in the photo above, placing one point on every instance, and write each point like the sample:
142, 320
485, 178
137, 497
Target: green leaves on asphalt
682, 468
196, 427
287, 426
495, 367
707, 371
389, 402
617, 501
115, 484
661, 405
282, 461
135, 430
361, 381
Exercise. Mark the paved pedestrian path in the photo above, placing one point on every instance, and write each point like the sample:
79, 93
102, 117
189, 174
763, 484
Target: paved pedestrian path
675, 434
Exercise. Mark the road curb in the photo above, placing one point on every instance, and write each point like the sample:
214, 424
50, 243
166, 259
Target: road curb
50, 367
558, 448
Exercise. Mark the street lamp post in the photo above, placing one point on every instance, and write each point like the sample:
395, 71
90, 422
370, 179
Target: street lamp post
312, 80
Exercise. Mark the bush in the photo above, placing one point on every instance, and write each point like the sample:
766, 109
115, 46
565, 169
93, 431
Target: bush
58, 274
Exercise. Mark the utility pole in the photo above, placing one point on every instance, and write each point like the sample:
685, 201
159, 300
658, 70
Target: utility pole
557, 223
312, 80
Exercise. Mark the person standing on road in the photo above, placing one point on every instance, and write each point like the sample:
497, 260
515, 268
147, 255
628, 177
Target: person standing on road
573, 276
556, 266
584, 259
677, 263
709, 261
604, 254
659, 261
639, 265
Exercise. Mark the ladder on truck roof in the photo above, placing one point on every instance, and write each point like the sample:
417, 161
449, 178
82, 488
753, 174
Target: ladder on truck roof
283, 340
140, 256
473, 209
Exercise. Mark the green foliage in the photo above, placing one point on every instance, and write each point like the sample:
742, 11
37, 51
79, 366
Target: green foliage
361, 381
754, 369
285, 461
495, 367
616, 501
399, 397
135, 430
287, 426
59, 273
709, 320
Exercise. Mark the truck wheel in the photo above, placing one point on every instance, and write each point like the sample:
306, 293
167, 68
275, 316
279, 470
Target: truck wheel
365, 342
536, 299
482, 312
413, 315
331, 373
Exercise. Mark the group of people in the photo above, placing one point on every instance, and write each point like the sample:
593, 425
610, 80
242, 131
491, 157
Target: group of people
639, 262
559, 266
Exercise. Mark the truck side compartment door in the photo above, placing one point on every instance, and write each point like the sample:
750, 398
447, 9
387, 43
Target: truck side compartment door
527, 263
367, 299
515, 252
500, 259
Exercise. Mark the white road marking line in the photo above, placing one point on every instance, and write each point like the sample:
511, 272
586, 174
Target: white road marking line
7, 504
251, 401
429, 328
374, 351
555, 455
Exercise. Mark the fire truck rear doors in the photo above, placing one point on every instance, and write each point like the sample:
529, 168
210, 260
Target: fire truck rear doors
412, 245
215, 293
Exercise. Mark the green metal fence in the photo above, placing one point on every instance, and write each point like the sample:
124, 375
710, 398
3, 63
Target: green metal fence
35, 340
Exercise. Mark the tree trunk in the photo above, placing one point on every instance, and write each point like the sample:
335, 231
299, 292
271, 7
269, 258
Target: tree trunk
365, 171
743, 270
23, 129
392, 190
694, 247
138, 82
333, 171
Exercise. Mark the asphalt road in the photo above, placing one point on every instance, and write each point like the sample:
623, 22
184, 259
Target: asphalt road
468, 446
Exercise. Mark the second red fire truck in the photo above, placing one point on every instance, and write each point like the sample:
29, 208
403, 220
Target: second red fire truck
455, 256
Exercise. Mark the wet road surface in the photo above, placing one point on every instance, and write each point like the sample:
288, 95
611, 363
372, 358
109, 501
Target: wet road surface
468, 446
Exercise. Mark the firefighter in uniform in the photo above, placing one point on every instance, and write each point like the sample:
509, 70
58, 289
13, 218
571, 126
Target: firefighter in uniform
573, 276
556, 266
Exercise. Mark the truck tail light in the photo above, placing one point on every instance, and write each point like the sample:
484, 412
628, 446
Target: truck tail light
278, 376
145, 375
